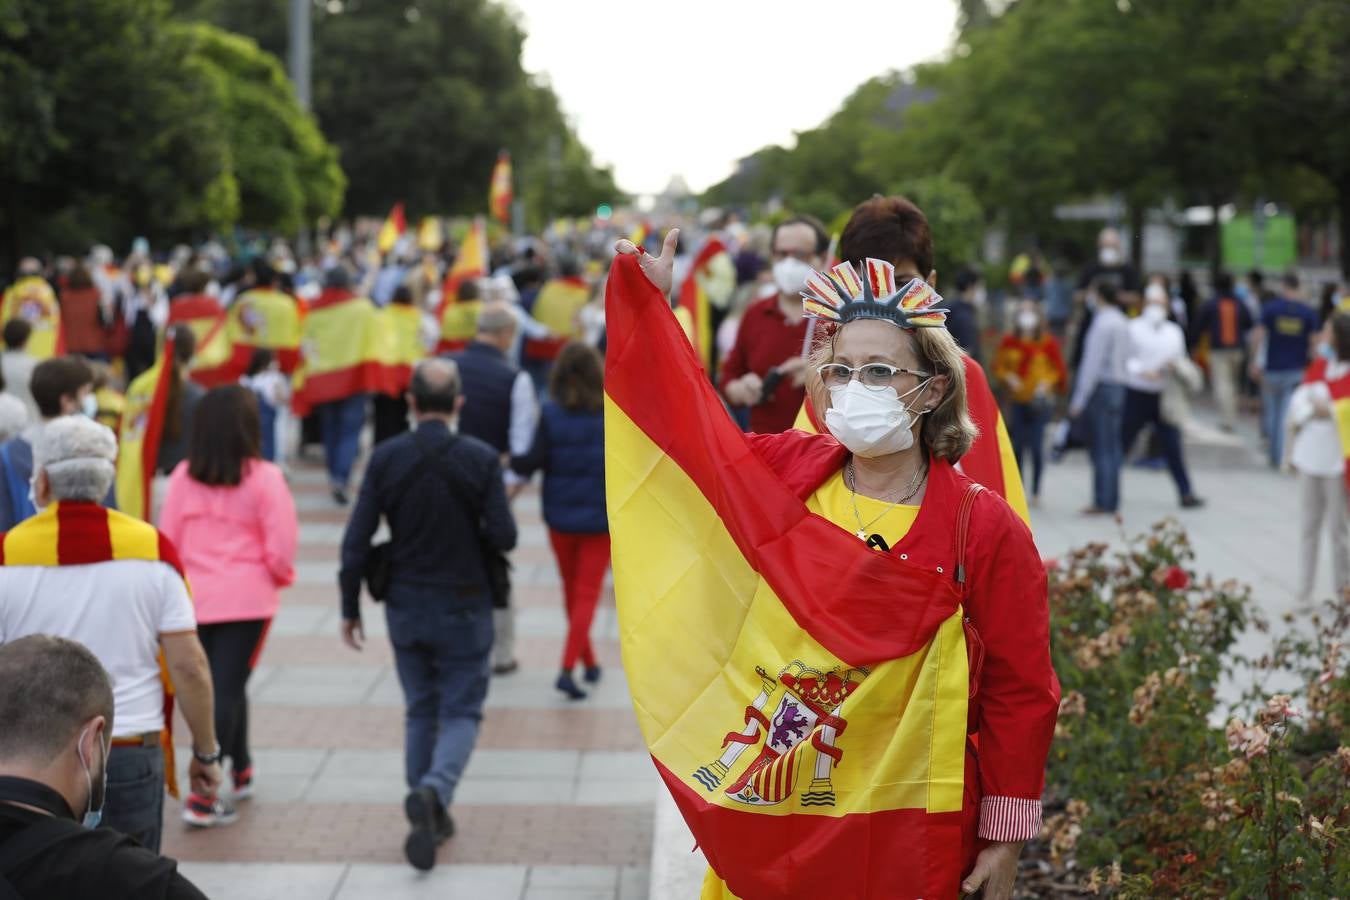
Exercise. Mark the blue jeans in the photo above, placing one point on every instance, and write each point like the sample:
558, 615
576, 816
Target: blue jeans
1143, 408
443, 660
1276, 389
340, 423
1027, 431
1104, 415
135, 804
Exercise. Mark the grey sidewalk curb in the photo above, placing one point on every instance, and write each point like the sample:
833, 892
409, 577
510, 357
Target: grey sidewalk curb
676, 873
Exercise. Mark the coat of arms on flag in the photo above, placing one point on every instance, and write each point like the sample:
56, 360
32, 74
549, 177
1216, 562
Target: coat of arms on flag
809, 706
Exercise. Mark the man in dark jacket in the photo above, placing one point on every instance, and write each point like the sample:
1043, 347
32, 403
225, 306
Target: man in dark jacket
439, 604
56, 703
501, 410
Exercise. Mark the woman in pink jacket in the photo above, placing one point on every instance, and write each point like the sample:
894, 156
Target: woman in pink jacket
231, 516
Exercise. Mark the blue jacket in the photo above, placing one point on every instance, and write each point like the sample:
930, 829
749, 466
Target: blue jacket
570, 447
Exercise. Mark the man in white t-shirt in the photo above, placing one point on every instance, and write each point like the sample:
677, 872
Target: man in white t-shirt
80, 571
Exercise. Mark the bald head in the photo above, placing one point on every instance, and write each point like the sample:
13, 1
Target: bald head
30, 265
435, 387
495, 319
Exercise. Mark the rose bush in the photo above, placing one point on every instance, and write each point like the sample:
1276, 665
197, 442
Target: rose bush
1152, 788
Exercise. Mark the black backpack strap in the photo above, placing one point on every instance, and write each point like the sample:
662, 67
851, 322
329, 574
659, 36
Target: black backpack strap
38, 837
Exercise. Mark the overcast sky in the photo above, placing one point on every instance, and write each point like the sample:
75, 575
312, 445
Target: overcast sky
688, 87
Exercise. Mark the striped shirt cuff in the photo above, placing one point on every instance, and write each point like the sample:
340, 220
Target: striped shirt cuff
1009, 819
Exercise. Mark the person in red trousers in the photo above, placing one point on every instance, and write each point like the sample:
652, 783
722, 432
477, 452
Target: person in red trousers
569, 446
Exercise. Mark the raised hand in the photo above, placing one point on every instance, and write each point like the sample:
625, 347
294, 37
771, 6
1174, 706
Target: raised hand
656, 268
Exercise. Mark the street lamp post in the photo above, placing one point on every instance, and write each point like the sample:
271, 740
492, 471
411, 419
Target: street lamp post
299, 50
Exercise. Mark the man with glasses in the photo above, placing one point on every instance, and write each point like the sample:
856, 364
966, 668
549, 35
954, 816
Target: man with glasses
766, 369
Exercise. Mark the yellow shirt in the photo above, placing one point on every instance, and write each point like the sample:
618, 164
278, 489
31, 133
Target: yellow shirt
833, 501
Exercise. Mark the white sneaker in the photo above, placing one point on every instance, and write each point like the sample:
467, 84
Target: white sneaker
202, 812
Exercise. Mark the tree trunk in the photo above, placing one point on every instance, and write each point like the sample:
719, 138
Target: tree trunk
1135, 214
1343, 227
1214, 242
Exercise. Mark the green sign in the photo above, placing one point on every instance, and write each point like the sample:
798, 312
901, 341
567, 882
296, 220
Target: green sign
1272, 246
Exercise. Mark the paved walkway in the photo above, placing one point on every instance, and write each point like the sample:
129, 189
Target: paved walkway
557, 802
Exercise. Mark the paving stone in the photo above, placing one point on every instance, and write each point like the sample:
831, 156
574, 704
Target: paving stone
265, 881
403, 883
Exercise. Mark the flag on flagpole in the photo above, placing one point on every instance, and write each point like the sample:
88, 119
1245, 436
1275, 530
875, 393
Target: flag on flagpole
395, 224
694, 299
458, 320
142, 427
806, 721
430, 237
500, 193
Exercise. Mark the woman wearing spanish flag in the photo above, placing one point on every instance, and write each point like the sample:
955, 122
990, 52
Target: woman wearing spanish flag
837, 644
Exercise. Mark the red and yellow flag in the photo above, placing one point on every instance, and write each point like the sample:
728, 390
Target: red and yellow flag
810, 726
33, 299
142, 427
430, 236
557, 306
77, 534
348, 349
1339, 390
500, 193
264, 318
694, 298
459, 321
212, 362
395, 224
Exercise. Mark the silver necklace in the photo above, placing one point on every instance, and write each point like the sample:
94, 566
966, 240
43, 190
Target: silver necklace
914, 484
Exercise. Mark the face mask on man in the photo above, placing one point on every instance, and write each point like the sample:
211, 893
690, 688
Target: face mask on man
789, 275
93, 817
1027, 321
1109, 256
89, 405
871, 423
1155, 314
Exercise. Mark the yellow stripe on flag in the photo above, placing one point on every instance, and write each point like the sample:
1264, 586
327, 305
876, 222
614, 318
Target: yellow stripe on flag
35, 543
133, 539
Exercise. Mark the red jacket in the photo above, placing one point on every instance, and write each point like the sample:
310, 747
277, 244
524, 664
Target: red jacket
1016, 700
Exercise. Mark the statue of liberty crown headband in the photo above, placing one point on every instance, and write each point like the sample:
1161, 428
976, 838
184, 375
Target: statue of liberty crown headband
839, 295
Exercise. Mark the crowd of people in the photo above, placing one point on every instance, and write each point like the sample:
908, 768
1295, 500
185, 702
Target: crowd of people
469, 386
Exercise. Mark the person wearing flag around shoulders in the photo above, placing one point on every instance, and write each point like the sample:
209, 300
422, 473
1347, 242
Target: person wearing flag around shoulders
891, 383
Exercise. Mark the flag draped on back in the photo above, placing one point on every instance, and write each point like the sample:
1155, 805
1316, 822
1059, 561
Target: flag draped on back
1339, 390
556, 307
803, 697
212, 361
459, 320
349, 348
395, 224
500, 193
695, 301
142, 425
76, 534
32, 298
267, 319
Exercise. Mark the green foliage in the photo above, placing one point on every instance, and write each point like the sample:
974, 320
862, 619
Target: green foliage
1143, 783
119, 121
954, 218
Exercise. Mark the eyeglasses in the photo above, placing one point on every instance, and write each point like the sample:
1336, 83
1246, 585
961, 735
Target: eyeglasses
875, 376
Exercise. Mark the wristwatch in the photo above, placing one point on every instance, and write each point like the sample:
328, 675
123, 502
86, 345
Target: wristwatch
207, 759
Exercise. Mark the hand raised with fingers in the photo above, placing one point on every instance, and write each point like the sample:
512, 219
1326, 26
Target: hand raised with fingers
656, 268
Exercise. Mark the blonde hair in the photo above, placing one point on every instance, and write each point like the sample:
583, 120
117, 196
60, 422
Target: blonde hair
948, 431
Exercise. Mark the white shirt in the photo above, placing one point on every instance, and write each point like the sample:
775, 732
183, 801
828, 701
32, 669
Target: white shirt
118, 610
1316, 446
1154, 346
524, 421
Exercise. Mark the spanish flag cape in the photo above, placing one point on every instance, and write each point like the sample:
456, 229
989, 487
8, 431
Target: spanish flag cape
212, 362
990, 460
78, 534
268, 319
556, 306
693, 298
32, 298
1339, 389
804, 698
138, 440
349, 348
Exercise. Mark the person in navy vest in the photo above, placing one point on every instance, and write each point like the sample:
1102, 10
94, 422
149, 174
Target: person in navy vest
500, 409
569, 446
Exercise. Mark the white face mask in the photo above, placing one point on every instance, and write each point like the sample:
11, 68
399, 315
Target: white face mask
1027, 321
1155, 314
89, 405
789, 275
871, 423
1109, 256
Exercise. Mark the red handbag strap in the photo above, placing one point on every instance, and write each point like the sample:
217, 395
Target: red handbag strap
963, 532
